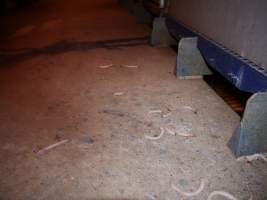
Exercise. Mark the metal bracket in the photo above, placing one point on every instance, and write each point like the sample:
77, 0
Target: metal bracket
190, 63
251, 135
160, 33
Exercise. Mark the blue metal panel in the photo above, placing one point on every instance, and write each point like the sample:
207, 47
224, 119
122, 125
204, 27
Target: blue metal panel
241, 72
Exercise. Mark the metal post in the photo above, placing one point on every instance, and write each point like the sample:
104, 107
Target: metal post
160, 33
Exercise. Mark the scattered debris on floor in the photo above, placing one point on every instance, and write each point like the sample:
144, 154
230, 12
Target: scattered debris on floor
50, 147
151, 112
154, 112
190, 194
162, 131
187, 135
252, 158
130, 66
222, 193
105, 66
118, 93
174, 133
167, 115
190, 108
111, 65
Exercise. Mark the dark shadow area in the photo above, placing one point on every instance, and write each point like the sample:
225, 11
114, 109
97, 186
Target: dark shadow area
10, 57
235, 98
174, 48
9, 7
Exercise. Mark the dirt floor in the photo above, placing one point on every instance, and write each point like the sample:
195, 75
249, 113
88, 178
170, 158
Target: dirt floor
57, 83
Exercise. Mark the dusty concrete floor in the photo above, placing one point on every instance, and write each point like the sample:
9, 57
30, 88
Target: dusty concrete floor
52, 89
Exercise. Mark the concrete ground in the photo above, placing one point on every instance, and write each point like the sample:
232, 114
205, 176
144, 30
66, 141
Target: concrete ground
52, 88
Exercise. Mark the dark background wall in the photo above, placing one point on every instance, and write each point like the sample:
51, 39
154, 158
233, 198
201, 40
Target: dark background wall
8, 5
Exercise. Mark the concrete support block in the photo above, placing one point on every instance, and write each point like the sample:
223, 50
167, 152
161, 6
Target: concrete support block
251, 135
190, 62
